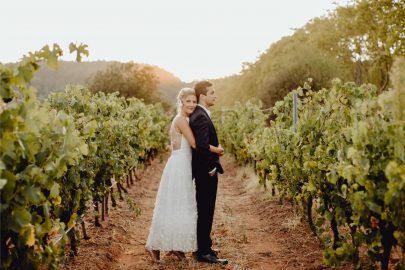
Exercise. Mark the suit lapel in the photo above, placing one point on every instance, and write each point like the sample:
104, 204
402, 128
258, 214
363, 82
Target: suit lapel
209, 118
206, 114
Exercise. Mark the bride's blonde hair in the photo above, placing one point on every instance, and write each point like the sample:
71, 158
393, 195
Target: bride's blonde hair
184, 92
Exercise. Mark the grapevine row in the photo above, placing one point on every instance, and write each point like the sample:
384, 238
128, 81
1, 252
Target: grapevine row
59, 156
344, 166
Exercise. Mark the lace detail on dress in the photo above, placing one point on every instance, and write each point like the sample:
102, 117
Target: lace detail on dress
175, 136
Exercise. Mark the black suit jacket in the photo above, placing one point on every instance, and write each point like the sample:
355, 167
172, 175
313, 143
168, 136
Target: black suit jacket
203, 160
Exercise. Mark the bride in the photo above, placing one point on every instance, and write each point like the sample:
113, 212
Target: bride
174, 222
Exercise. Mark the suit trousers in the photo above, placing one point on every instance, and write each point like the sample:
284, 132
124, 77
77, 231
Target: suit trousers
206, 194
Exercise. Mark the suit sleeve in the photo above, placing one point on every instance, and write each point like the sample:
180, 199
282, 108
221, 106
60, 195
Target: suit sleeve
200, 127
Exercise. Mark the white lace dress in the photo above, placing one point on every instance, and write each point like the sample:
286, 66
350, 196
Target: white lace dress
174, 222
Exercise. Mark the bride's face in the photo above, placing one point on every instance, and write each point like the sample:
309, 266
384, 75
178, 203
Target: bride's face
189, 104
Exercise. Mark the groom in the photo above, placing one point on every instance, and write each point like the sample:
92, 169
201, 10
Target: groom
206, 167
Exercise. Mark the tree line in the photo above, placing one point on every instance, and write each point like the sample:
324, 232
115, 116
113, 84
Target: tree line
357, 42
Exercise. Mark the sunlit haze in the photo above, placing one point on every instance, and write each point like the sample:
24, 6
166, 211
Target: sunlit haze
191, 39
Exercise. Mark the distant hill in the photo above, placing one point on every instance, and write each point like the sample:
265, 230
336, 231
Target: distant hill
47, 80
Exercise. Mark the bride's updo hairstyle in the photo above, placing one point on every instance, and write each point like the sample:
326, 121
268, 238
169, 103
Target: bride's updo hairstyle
184, 92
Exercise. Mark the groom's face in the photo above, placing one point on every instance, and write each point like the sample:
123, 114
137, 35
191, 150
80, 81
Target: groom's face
211, 96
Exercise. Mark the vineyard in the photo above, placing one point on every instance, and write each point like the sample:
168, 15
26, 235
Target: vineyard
343, 166
61, 155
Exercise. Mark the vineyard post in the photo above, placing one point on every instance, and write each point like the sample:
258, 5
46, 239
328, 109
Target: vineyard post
295, 111
103, 208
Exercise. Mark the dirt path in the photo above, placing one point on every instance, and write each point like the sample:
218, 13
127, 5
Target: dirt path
251, 231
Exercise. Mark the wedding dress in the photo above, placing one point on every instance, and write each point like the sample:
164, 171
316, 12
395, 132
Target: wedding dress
174, 222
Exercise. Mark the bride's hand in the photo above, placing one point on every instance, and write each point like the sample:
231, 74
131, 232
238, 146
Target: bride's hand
221, 150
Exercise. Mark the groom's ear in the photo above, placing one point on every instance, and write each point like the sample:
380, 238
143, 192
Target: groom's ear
199, 98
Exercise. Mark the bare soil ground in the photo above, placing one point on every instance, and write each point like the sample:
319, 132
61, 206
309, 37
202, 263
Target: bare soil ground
251, 229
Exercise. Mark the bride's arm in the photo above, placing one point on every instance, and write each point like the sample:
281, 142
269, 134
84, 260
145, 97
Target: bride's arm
185, 129
182, 125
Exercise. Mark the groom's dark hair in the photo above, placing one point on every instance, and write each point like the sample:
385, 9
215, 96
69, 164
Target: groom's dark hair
201, 88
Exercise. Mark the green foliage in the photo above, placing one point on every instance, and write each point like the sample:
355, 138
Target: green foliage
251, 120
57, 155
357, 42
80, 50
287, 65
373, 33
347, 156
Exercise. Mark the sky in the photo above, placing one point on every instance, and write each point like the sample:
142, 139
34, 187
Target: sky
192, 39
